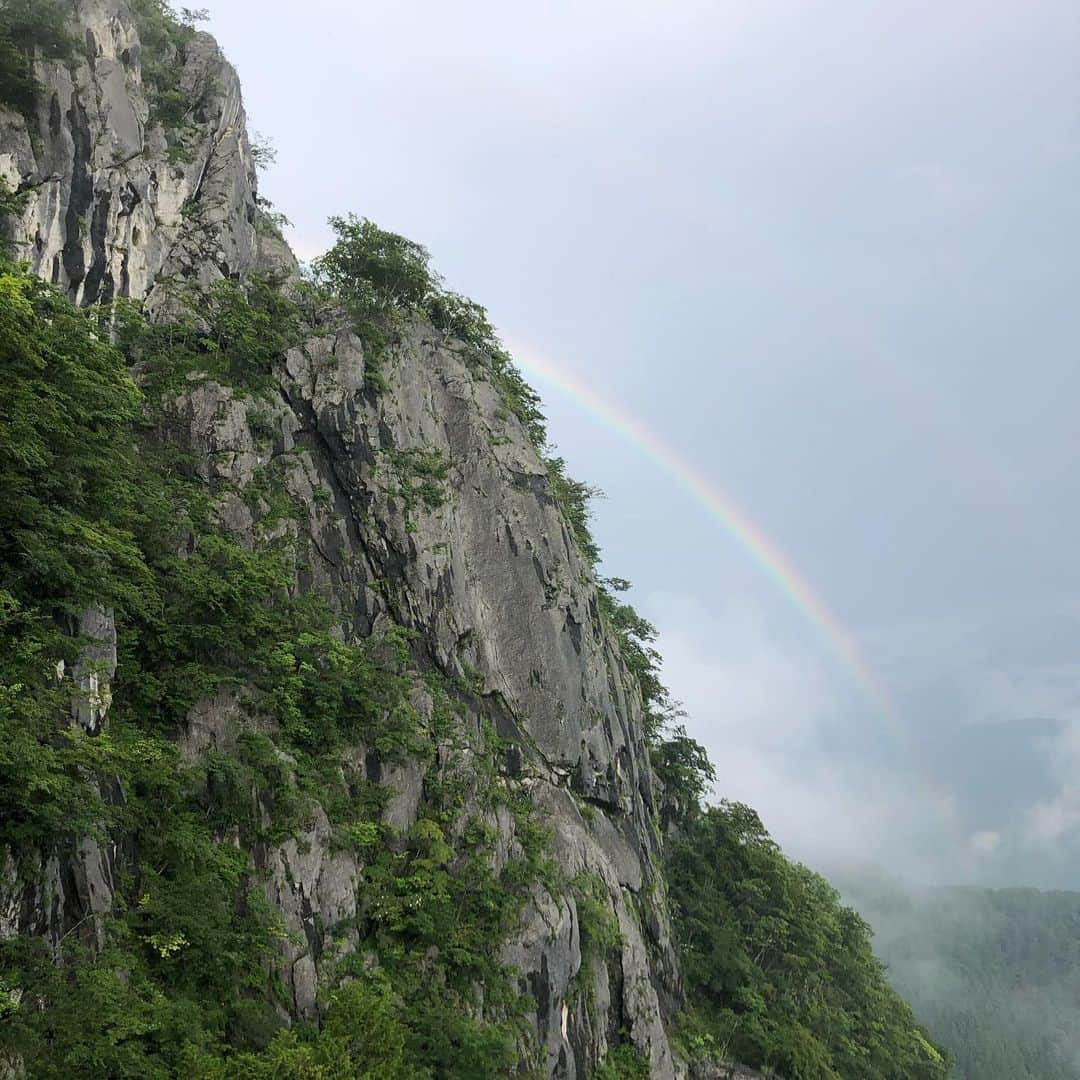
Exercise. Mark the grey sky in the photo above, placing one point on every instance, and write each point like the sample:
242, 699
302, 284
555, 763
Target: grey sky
829, 252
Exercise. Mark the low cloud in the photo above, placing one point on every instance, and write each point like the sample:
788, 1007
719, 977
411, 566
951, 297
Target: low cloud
787, 739
1051, 820
971, 781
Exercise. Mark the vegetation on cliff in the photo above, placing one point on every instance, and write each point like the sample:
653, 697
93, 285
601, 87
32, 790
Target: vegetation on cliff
102, 508
30, 30
778, 972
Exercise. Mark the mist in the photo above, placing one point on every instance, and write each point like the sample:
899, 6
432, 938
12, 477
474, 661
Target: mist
992, 974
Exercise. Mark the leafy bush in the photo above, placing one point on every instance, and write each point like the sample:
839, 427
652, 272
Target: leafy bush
684, 770
11, 204
374, 271
362, 1037
622, 1063
66, 456
379, 276
234, 332
420, 476
67, 470
574, 498
599, 928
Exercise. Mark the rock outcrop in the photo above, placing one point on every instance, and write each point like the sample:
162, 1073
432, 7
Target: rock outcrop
117, 204
488, 576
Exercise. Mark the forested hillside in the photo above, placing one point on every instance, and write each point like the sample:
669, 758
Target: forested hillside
993, 973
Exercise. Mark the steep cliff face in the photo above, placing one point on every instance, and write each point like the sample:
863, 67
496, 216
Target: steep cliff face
474, 557
119, 202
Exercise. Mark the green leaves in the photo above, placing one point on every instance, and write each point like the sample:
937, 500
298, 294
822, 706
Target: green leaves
380, 278
233, 332
67, 466
104, 506
375, 271
574, 497
622, 1063
165, 35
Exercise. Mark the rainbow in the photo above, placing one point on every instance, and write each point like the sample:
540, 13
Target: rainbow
750, 536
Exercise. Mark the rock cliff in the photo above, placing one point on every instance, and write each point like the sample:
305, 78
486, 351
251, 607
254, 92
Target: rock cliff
125, 198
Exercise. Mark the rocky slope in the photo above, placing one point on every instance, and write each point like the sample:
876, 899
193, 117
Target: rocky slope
487, 575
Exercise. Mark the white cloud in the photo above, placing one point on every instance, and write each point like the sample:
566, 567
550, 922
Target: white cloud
1051, 820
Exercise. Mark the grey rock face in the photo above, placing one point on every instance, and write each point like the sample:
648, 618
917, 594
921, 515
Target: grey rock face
92, 675
112, 208
490, 580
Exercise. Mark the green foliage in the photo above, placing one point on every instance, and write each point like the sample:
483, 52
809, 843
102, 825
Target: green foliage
780, 974
374, 271
326, 694
636, 636
381, 277
574, 498
11, 204
68, 472
599, 928
66, 457
377, 277
420, 476
234, 333
101, 507
268, 221
186, 946
30, 30
466, 321
599, 924
684, 770
520, 398
679, 763
362, 1037
263, 152
622, 1063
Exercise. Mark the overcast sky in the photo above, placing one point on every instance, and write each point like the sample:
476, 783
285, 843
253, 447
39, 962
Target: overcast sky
828, 252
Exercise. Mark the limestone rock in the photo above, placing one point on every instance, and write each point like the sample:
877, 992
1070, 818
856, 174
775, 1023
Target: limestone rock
92, 675
113, 208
